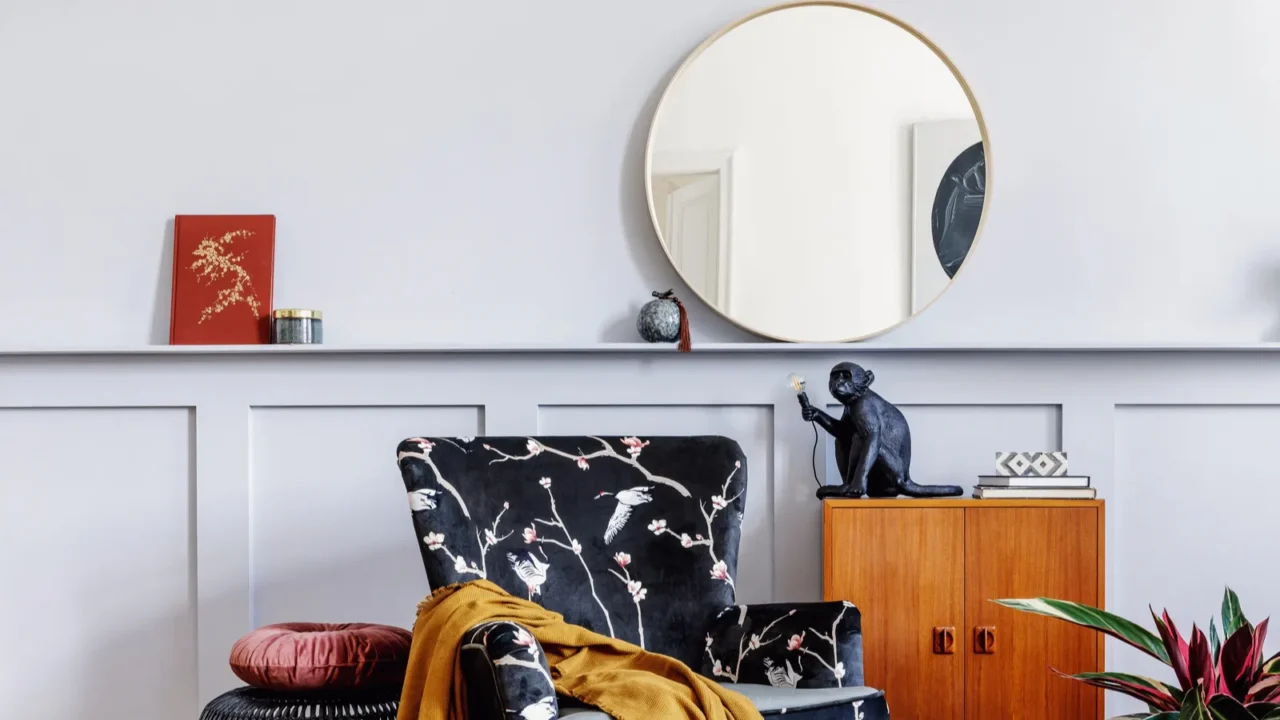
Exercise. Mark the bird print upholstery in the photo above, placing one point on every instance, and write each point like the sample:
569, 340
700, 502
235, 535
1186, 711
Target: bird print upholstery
505, 668
632, 538
604, 531
792, 645
627, 499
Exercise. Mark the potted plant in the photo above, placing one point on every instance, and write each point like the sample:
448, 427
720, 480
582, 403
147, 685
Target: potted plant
1217, 679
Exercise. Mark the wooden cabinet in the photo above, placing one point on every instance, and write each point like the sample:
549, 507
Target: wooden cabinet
923, 573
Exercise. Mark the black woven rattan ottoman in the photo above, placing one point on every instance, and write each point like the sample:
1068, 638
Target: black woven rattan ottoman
249, 703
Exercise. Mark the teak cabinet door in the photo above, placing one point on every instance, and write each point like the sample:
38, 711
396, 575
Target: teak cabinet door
904, 569
1022, 553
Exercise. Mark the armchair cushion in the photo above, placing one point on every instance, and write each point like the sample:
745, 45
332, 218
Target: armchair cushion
318, 656
846, 703
786, 645
506, 673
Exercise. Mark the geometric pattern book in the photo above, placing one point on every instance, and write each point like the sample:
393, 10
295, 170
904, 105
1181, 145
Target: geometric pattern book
632, 538
222, 279
1031, 464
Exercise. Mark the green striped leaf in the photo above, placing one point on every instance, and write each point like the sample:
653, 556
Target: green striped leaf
1193, 708
1232, 616
1099, 620
1157, 695
1271, 666
1225, 707
1214, 640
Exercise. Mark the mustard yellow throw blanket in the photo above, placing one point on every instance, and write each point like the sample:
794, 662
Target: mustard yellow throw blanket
615, 676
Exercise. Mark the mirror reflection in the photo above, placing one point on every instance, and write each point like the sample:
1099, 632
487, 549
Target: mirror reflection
817, 173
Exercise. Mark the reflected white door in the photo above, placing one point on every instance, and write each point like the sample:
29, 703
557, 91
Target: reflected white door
693, 233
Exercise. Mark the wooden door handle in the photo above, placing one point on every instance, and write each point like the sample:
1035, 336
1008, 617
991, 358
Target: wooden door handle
984, 640
944, 641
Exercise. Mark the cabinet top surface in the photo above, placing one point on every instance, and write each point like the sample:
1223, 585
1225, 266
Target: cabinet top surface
869, 503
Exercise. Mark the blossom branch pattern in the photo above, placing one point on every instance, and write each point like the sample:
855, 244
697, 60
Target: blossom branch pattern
435, 543
573, 546
719, 569
745, 646
837, 668
424, 500
796, 643
425, 456
634, 447
215, 261
525, 642
491, 538
634, 587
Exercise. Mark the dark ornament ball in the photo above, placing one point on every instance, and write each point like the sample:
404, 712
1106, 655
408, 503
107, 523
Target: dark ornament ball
659, 321
248, 702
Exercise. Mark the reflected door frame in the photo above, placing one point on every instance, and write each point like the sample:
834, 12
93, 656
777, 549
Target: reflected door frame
723, 163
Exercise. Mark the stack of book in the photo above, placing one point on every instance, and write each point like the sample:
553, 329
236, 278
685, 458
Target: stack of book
1062, 487
1033, 475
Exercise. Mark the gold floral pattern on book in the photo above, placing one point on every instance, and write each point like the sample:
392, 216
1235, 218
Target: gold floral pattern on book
216, 263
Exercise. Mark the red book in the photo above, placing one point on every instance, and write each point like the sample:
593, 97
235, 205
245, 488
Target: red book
222, 276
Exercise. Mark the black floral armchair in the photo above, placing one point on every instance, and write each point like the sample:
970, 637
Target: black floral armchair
632, 538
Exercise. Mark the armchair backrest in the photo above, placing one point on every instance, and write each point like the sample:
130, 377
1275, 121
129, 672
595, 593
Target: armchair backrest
633, 538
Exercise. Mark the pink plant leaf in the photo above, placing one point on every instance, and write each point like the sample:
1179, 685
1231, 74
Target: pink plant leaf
1263, 689
1177, 648
1259, 637
1203, 675
1236, 662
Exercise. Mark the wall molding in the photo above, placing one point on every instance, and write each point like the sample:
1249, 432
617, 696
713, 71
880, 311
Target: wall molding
762, 347
964, 406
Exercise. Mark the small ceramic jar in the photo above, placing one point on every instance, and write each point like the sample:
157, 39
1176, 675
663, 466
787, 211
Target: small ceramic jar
659, 319
297, 327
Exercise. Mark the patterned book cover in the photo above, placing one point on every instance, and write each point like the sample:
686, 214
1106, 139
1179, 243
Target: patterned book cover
1031, 464
222, 278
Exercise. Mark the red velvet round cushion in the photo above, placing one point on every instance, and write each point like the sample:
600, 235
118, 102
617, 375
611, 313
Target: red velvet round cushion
312, 656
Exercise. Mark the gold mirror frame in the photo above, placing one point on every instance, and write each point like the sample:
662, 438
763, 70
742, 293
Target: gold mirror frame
693, 57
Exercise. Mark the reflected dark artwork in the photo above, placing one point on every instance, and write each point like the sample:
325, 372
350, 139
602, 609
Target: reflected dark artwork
957, 207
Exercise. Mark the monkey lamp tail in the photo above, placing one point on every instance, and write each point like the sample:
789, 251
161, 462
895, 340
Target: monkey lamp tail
910, 489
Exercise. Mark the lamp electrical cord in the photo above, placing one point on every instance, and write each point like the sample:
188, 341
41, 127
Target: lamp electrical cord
813, 456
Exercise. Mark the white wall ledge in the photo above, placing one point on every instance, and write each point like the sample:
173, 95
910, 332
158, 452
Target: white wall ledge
627, 348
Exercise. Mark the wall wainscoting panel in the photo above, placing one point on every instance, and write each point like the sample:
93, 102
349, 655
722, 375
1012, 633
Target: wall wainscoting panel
1197, 486
326, 502
97, 573
299, 512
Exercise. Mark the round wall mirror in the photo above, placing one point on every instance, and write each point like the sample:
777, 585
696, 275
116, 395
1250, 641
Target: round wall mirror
817, 172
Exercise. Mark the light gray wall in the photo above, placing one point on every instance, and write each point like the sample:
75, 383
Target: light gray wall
470, 171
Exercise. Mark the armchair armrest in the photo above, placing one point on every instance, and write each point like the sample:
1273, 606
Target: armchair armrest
796, 645
506, 674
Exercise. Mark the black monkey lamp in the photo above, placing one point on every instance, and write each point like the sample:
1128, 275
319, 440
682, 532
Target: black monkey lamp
873, 440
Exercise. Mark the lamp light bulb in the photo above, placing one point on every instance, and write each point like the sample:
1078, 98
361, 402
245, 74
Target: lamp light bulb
796, 382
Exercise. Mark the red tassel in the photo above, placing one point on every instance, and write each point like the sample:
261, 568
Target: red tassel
686, 343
